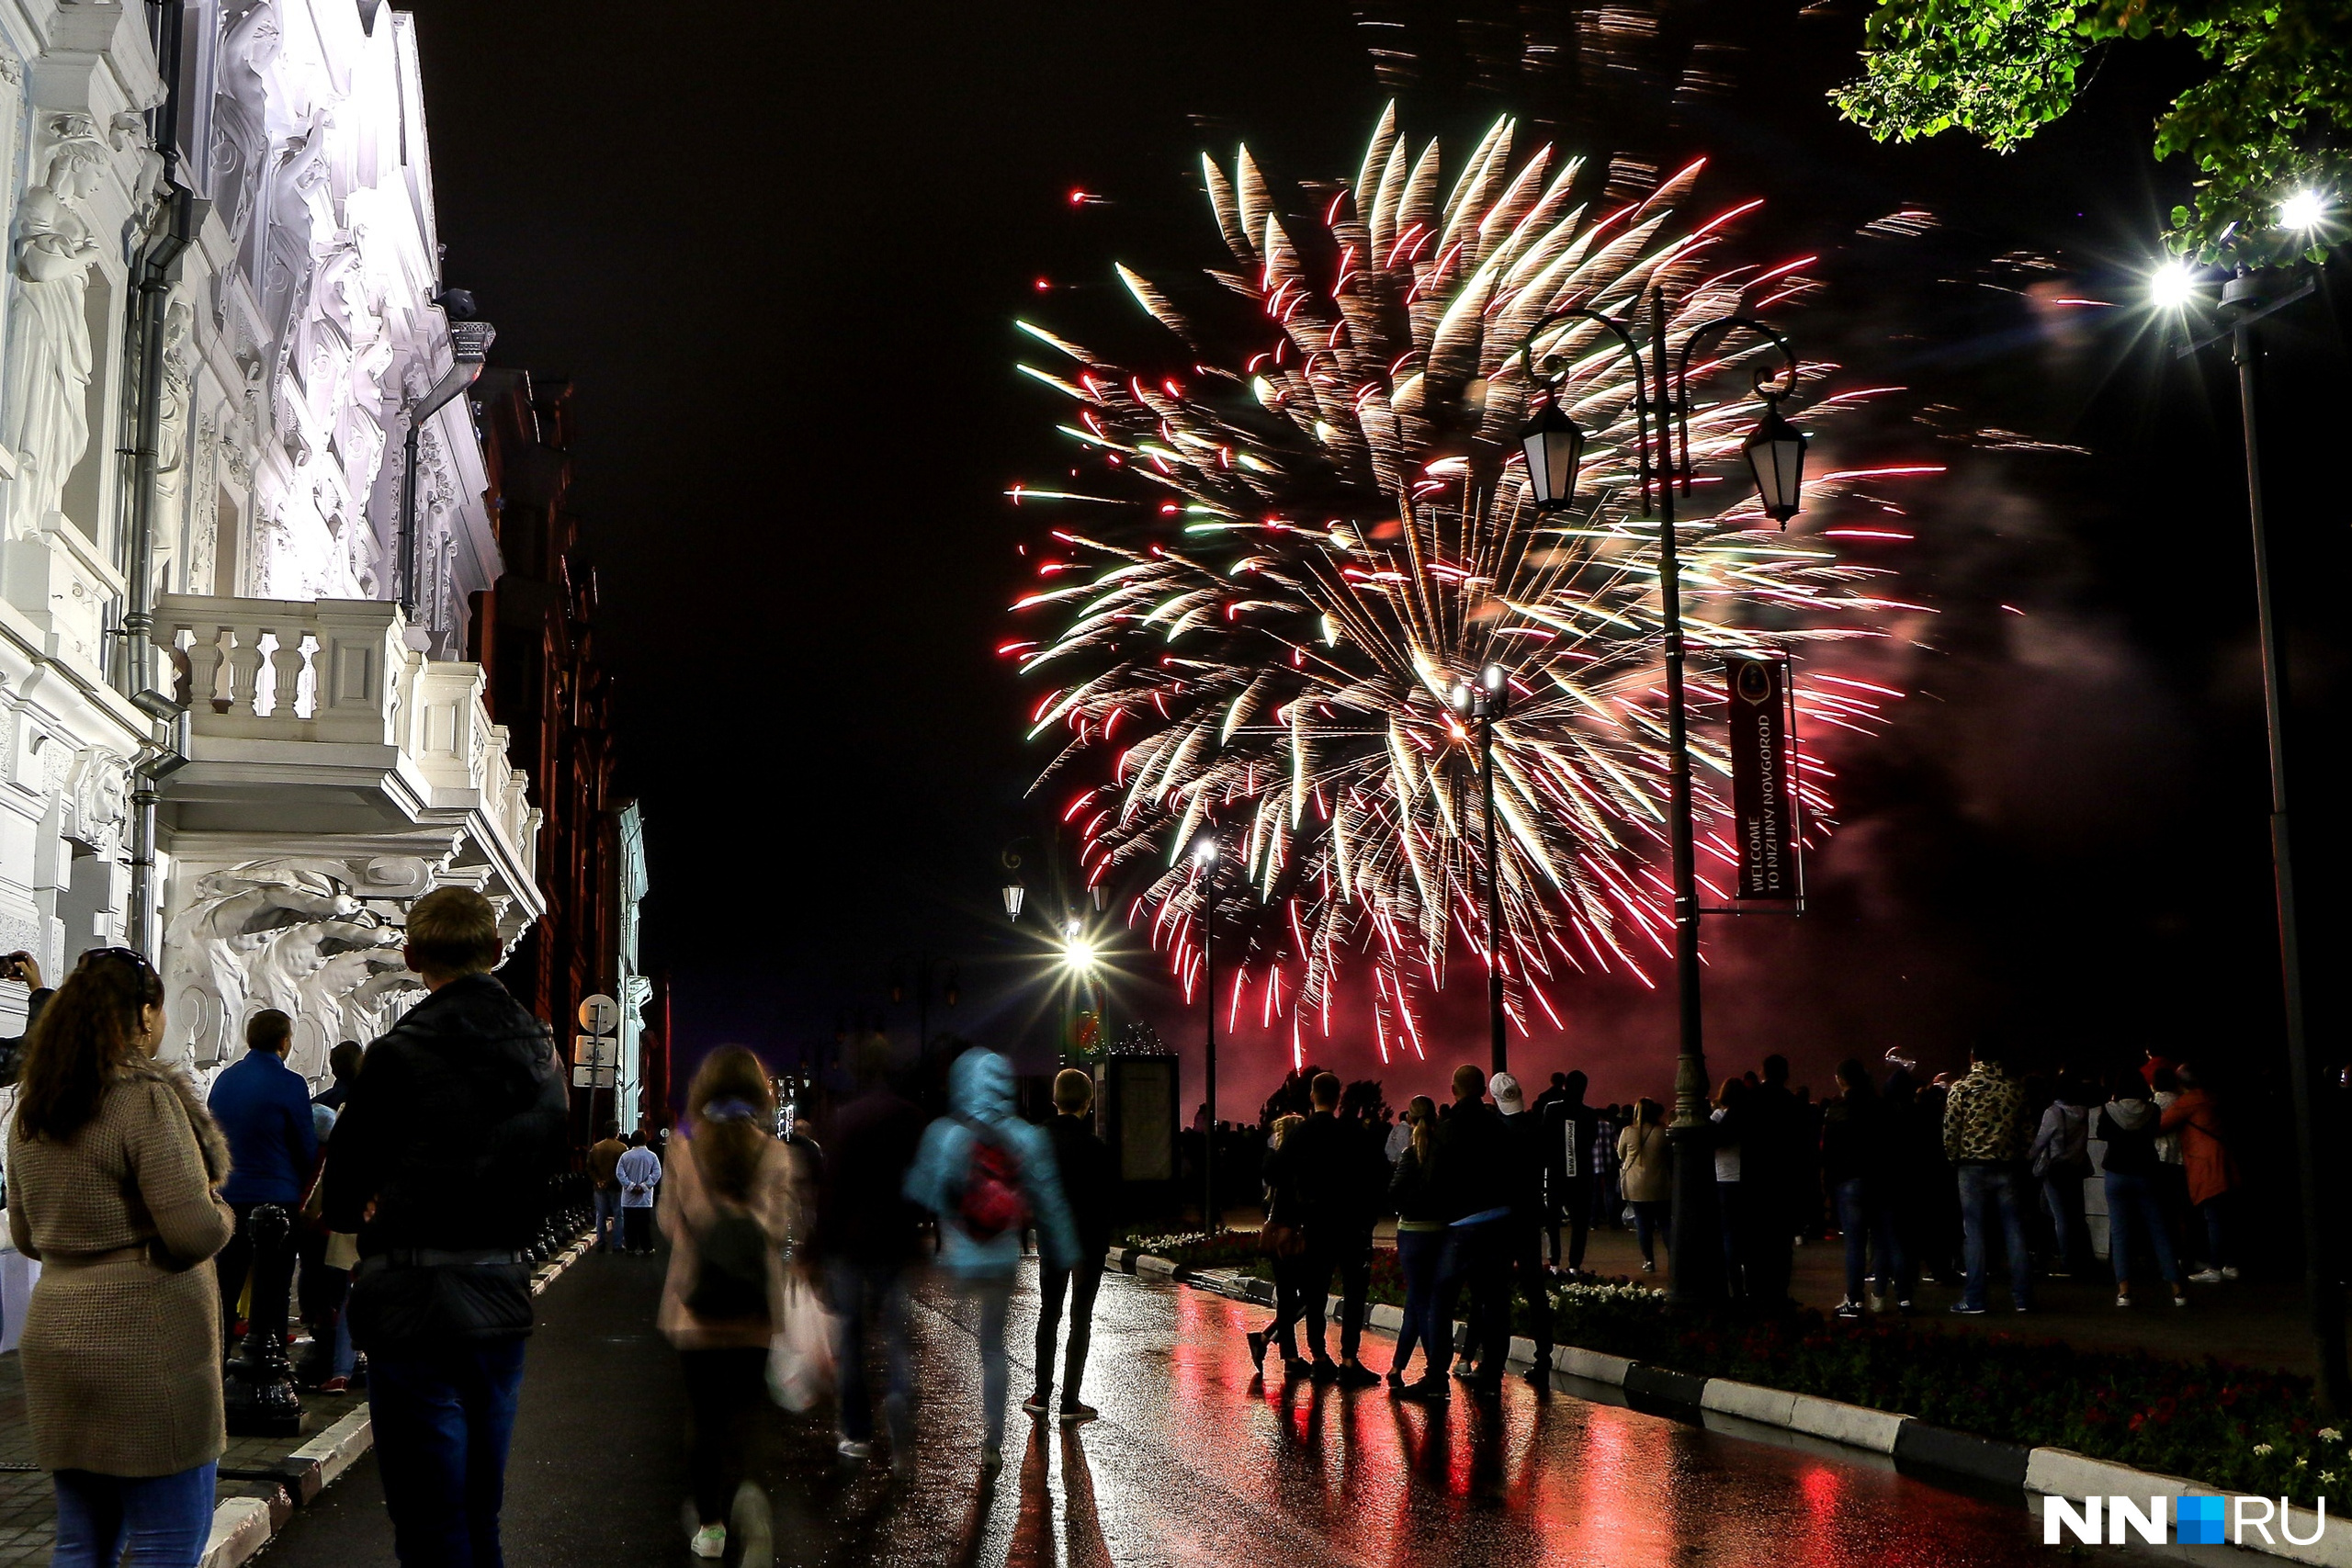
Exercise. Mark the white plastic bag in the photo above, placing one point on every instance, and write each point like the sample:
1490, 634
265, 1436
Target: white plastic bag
800, 1357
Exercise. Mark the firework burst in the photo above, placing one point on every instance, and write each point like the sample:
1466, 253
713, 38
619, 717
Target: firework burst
1333, 529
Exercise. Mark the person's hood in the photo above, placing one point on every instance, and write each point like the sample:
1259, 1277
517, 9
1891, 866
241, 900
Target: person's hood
980, 1087
2129, 1114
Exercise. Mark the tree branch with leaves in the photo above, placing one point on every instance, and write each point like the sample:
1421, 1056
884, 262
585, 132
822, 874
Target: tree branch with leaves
2272, 119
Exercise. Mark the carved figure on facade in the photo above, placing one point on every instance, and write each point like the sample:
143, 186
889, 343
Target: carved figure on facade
93, 796
250, 41
171, 453
284, 933
46, 419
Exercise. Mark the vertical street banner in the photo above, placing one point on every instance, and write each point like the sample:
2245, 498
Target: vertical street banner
1760, 795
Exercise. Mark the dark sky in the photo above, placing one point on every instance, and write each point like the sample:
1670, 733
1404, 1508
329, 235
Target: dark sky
780, 247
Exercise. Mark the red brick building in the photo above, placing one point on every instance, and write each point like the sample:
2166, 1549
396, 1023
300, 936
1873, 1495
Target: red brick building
534, 633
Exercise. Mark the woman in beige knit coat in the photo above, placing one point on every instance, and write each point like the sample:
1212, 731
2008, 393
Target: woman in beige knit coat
114, 1171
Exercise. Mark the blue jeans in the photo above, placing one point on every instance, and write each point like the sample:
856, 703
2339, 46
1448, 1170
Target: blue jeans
163, 1520
609, 1218
1419, 1253
994, 1298
1983, 1187
443, 1412
2061, 1195
1479, 1255
2216, 1211
2132, 1200
860, 1292
1864, 1215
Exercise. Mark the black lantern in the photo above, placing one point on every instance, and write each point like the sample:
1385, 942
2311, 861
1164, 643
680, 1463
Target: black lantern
1553, 446
1775, 451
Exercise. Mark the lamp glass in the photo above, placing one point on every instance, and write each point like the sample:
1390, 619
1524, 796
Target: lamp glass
1553, 448
1014, 893
1776, 452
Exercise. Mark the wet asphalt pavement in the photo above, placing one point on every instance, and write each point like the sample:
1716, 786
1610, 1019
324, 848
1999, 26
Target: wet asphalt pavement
1194, 1461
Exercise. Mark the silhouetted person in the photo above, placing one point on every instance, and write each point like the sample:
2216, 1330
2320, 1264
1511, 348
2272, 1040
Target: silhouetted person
1473, 1179
1089, 1181
1328, 1165
867, 1236
1571, 1132
440, 1163
1525, 1242
605, 1182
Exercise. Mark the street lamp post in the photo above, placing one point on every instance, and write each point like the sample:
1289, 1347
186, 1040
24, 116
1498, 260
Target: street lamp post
1204, 858
2248, 297
1483, 701
1553, 446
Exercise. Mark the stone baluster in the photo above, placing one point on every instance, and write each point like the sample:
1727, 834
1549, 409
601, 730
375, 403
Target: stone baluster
203, 667
286, 664
244, 669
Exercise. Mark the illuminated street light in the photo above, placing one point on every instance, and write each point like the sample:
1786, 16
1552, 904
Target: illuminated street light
2172, 285
1077, 955
2302, 210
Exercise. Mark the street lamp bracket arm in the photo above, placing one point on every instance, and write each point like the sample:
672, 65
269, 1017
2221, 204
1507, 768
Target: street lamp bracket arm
1680, 402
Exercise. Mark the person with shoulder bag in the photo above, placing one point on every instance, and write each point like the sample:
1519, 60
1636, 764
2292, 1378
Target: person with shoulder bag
115, 1169
1282, 1239
729, 1203
986, 1174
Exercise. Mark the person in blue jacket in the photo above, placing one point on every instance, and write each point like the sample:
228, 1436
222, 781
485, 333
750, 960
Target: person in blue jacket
986, 1174
263, 1107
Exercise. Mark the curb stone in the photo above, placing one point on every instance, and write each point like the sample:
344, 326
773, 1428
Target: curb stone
242, 1525
1914, 1445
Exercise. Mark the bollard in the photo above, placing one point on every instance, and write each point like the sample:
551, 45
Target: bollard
257, 1386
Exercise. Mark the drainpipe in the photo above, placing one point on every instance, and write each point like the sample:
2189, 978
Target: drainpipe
470, 343
166, 748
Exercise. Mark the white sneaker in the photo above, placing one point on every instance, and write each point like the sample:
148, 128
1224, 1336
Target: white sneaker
709, 1541
2229, 1273
1649, 1268
850, 1448
2208, 1276
2122, 1300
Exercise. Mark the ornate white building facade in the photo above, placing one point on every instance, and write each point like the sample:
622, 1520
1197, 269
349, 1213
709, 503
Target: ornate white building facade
220, 735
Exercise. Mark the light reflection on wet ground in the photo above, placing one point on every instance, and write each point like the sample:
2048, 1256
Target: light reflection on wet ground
1196, 1460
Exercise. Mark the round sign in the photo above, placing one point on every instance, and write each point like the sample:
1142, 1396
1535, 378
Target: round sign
600, 1014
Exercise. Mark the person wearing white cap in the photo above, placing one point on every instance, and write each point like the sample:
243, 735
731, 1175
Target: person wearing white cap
1524, 1250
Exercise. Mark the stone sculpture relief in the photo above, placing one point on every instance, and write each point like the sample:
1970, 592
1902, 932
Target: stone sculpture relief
45, 420
289, 934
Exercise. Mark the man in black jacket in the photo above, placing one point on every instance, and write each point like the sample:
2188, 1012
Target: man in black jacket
1088, 1181
1523, 1258
1331, 1162
440, 1162
1570, 1126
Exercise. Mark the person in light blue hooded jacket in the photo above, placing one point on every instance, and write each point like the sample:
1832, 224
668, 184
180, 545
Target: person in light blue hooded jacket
981, 1111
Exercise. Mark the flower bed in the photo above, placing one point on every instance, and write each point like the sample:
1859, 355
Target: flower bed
2236, 1428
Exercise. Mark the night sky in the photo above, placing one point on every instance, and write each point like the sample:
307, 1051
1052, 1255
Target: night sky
780, 249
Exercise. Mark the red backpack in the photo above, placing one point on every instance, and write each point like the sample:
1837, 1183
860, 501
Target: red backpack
991, 1203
